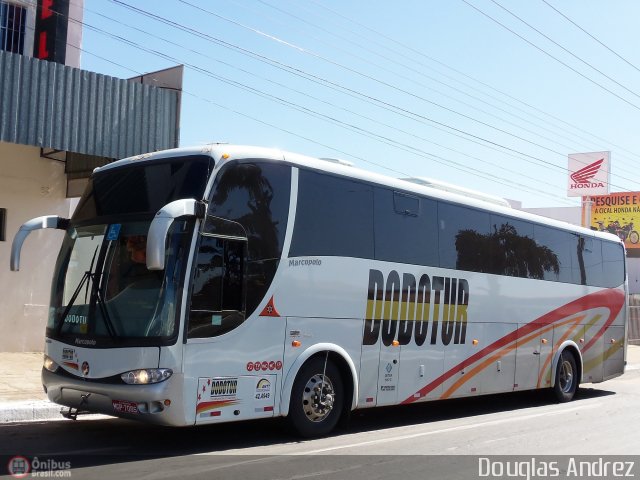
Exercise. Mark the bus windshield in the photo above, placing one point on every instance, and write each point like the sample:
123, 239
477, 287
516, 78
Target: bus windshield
103, 292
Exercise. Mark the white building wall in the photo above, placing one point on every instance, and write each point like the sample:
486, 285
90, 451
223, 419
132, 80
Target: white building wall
572, 215
30, 186
74, 33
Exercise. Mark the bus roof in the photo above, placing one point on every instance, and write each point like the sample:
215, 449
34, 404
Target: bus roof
223, 152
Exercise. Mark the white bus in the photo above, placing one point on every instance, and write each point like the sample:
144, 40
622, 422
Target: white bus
225, 283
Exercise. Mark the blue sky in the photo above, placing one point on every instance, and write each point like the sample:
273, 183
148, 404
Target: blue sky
429, 88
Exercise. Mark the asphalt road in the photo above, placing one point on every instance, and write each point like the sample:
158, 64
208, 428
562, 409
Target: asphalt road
432, 440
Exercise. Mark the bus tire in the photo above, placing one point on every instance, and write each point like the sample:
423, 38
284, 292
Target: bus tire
316, 406
566, 384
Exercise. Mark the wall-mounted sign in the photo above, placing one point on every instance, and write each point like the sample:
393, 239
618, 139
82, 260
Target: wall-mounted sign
52, 21
589, 174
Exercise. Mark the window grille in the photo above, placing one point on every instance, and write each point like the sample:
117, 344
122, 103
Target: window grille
13, 20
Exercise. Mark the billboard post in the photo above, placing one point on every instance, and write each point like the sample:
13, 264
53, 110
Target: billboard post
586, 211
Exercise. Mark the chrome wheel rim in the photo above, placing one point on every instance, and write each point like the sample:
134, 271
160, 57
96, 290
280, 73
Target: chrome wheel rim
566, 376
318, 398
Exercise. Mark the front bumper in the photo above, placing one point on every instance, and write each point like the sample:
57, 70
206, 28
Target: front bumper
146, 403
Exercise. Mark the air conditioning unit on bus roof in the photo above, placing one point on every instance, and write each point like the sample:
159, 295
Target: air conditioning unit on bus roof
466, 192
339, 161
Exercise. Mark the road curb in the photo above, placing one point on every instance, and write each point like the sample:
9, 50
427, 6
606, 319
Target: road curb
29, 411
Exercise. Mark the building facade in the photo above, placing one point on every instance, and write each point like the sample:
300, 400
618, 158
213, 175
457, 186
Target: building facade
57, 123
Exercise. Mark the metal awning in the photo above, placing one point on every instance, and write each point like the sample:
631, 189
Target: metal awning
84, 118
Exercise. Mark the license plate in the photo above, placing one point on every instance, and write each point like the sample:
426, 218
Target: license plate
123, 406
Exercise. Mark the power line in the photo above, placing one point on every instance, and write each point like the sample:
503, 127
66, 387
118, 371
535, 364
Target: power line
369, 77
420, 53
383, 139
306, 51
565, 49
539, 162
416, 71
333, 105
551, 56
323, 81
313, 113
557, 122
590, 35
376, 53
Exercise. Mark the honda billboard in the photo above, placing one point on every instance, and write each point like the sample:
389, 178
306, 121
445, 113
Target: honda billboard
589, 174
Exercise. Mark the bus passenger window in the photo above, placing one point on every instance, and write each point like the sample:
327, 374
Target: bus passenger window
334, 217
405, 228
612, 264
461, 230
558, 248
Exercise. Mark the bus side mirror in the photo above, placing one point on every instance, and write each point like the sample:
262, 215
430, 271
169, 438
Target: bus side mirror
156, 240
49, 221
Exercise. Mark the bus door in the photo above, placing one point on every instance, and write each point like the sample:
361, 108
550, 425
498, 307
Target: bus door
218, 350
380, 365
613, 351
464, 380
499, 374
369, 364
389, 364
533, 359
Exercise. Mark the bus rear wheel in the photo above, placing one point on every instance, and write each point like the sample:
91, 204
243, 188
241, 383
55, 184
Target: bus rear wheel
317, 398
567, 379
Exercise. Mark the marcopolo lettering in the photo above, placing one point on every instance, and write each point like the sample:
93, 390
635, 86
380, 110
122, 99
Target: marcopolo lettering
424, 309
302, 263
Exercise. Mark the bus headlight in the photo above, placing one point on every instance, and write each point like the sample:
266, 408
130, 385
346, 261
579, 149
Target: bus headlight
49, 364
146, 376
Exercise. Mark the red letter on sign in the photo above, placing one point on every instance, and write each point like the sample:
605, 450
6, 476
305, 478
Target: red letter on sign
43, 54
46, 9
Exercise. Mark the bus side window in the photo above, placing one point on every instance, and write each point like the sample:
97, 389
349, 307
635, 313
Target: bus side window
217, 299
461, 230
334, 217
612, 264
588, 269
559, 248
405, 228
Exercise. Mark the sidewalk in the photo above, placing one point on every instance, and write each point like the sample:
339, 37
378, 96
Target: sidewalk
22, 398
21, 395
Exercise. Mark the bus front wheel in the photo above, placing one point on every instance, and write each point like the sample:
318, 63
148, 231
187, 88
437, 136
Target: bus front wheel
317, 398
567, 379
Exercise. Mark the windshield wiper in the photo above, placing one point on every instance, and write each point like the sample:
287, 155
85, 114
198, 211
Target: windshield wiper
105, 314
89, 275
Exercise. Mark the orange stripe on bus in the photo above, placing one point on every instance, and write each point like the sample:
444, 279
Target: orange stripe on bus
502, 353
555, 347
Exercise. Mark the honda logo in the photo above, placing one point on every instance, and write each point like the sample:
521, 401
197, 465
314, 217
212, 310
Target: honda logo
585, 174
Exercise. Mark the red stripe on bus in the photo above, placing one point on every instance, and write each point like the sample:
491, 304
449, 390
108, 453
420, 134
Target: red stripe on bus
610, 298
